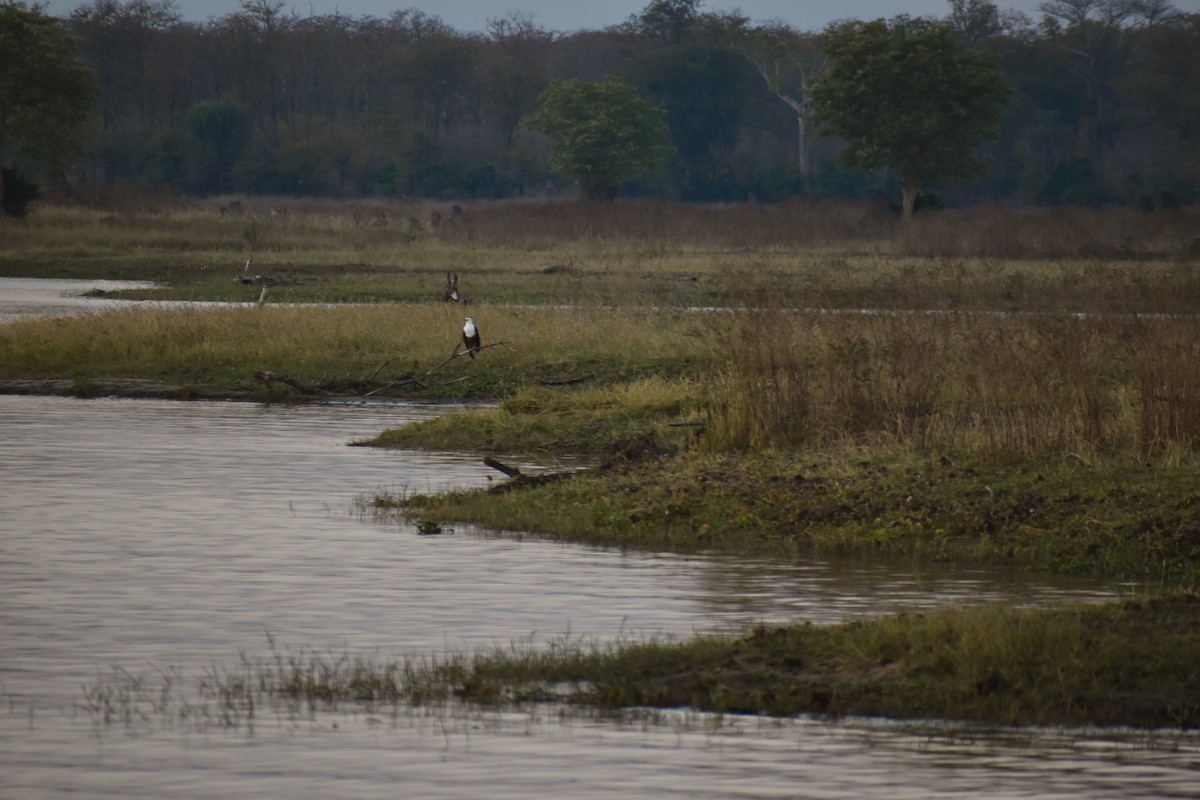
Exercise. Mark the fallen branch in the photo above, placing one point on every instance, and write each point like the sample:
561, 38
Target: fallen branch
511, 472
379, 369
519, 480
458, 353
568, 381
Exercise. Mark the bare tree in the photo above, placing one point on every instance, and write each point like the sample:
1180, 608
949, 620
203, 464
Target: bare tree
1102, 37
515, 71
789, 63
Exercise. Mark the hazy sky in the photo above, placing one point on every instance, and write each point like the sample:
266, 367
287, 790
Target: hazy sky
572, 15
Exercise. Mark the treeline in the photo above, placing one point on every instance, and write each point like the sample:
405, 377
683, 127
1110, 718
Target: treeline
1106, 108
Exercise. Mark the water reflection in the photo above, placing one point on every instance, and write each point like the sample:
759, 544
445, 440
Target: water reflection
515, 755
831, 591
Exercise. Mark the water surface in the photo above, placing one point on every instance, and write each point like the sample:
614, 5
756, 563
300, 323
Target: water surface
21, 298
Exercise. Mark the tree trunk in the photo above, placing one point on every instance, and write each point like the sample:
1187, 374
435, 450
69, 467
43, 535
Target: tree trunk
803, 108
802, 123
909, 192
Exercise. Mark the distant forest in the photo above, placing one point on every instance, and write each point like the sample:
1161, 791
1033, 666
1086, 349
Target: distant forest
1106, 106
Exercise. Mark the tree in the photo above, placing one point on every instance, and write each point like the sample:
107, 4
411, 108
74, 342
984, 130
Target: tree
45, 92
222, 128
119, 39
602, 134
515, 70
903, 96
667, 20
436, 70
704, 90
788, 62
974, 20
1102, 42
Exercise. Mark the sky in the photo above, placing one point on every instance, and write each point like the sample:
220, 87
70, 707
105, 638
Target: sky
470, 16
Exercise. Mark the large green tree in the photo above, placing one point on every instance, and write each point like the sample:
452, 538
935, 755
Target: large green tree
905, 96
603, 134
704, 90
222, 129
45, 92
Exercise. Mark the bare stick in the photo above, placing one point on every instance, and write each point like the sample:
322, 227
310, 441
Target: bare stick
269, 379
379, 369
458, 353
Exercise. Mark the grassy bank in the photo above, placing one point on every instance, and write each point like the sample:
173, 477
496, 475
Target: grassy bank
1108, 517
986, 387
395, 350
1052, 442
1049, 441
1128, 663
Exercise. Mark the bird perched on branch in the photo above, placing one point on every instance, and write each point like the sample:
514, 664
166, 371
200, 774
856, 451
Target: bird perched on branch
471, 337
265, 281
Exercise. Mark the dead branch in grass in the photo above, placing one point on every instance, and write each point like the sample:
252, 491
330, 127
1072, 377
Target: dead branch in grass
420, 381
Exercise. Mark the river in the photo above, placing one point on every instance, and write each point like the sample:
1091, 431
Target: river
152, 538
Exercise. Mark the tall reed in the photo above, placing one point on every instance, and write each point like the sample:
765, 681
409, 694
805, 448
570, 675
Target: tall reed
1004, 386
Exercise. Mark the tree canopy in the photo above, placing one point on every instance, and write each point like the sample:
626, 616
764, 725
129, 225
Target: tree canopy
1104, 107
603, 134
45, 91
905, 96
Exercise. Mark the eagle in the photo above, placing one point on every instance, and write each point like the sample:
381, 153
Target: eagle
471, 337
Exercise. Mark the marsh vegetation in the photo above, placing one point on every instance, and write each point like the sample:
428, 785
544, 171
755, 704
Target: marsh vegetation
1016, 388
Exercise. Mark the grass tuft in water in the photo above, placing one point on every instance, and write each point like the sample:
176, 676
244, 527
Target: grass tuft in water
1127, 663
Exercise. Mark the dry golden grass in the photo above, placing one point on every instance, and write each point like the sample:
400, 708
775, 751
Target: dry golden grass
826, 237
1004, 386
1046, 331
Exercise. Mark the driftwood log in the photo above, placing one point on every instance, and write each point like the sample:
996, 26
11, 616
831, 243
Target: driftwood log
519, 480
626, 450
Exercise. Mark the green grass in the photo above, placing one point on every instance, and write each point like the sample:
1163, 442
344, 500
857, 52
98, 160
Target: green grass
346, 346
547, 420
1061, 435
1107, 517
1128, 663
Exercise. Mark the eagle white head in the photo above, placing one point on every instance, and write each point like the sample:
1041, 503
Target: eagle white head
471, 337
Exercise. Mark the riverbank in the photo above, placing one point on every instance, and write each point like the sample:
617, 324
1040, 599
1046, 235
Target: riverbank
1036, 410
1129, 663
1105, 517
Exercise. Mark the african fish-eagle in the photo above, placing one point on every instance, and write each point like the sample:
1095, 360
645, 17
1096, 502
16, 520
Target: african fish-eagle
471, 337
